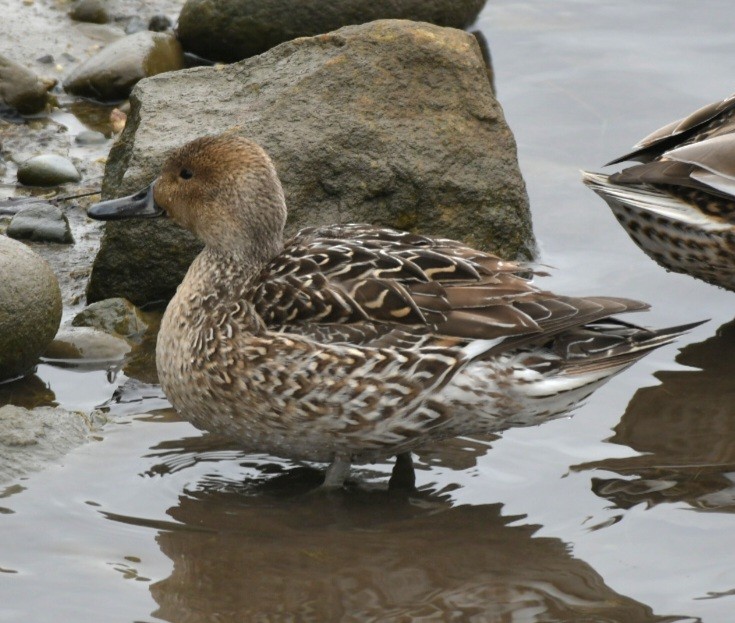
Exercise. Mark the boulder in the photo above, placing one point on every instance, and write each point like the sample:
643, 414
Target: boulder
230, 30
21, 89
30, 307
112, 73
41, 222
392, 123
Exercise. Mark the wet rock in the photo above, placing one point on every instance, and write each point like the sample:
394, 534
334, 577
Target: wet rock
21, 89
159, 23
85, 346
111, 74
31, 438
391, 122
93, 11
230, 30
117, 316
41, 222
90, 137
47, 170
30, 307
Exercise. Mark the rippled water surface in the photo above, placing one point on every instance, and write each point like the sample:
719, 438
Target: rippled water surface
622, 513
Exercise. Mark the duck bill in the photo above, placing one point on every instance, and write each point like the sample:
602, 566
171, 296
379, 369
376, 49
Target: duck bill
140, 205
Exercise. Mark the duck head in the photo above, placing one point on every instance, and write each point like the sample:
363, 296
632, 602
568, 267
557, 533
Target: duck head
224, 189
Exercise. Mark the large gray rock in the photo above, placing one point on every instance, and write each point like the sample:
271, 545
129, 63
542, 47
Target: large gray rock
112, 73
21, 89
230, 30
30, 307
392, 123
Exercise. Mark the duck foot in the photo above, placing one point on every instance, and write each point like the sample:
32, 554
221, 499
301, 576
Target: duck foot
337, 473
403, 477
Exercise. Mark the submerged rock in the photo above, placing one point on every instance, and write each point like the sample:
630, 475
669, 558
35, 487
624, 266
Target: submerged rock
230, 30
117, 316
21, 89
40, 222
47, 170
31, 438
111, 74
392, 123
30, 307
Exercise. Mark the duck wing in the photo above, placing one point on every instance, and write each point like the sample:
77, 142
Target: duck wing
714, 119
367, 285
701, 173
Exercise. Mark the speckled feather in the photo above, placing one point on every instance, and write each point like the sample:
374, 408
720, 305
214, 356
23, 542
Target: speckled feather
679, 205
352, 343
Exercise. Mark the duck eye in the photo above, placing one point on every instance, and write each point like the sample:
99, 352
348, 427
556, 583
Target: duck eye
185, 174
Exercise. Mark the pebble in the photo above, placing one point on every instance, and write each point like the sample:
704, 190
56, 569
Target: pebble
159, 23
40, 222
47, 170
90, 137
92, 11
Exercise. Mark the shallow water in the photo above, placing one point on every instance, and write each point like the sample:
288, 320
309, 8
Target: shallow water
622, 513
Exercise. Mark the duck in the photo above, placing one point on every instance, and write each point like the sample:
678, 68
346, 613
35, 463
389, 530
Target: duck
353, 343
678, 205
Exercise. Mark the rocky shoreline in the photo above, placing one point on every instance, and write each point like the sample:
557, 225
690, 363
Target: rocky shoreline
392, 122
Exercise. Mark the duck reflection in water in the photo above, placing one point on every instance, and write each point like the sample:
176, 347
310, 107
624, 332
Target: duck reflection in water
369, 556
684, 429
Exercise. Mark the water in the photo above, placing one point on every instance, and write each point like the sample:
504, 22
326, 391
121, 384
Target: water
622, 513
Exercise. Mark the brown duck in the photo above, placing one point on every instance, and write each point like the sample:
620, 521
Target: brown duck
679, 205
352, 343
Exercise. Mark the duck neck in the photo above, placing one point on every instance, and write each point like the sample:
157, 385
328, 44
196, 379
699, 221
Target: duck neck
217, 281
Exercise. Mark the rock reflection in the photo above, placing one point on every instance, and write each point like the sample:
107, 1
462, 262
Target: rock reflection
28, 392
686, 428
369, 556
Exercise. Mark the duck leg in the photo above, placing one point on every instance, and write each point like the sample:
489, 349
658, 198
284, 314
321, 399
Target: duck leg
403, 476
337, 472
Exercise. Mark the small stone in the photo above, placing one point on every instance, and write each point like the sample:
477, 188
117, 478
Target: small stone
159, 23
92, 11
40, 222
118, 119
21, 89
47, 170
111, 74
117, 316
90, 137
46, 59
